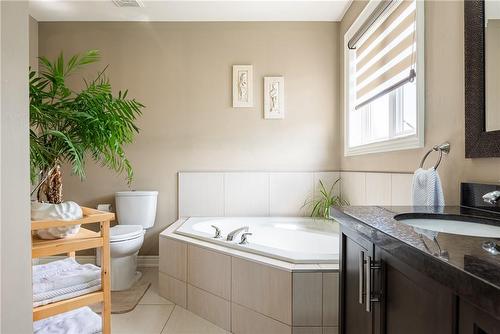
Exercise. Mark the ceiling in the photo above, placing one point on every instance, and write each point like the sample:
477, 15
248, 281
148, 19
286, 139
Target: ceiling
187, 10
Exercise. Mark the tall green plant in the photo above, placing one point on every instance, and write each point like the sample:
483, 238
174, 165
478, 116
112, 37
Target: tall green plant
321, 202
67, 125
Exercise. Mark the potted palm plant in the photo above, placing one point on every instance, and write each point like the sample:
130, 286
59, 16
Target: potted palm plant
69, 126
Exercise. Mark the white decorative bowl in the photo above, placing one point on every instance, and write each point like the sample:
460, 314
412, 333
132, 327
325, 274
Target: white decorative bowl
63, 211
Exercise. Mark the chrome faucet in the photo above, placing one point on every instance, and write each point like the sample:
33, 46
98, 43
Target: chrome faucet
217, 232
492, 197
244, 238
232, 234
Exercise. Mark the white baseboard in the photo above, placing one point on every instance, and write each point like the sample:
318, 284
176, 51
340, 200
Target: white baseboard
150, 261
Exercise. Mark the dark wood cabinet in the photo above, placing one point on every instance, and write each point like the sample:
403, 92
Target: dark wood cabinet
360, 284
413, 303
402, 299
355, 317
472, 320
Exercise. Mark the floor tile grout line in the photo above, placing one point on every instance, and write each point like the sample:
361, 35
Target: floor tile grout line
166, 322
262, 314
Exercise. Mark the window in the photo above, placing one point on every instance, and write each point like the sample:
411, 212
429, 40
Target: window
384, 84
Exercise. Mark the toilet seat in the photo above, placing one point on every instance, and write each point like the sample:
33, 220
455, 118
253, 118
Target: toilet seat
125, 232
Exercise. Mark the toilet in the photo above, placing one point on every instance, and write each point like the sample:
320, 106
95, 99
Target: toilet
136, 212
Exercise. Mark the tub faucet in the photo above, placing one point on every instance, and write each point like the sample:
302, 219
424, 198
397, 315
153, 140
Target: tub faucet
492, 197
244, 238
232, 234
217, 232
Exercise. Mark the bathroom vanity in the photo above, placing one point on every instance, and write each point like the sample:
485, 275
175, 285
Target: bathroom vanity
398, 277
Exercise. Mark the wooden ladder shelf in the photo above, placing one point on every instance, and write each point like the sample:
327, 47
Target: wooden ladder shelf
84, 239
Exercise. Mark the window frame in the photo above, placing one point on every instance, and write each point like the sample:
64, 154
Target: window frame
393, 144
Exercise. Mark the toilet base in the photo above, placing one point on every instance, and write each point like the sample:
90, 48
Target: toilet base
124, 273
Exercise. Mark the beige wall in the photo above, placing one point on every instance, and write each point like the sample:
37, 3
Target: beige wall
33, 43
182, 73
15, 253
444, 118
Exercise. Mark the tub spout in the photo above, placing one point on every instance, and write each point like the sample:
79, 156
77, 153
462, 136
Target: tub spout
232, 234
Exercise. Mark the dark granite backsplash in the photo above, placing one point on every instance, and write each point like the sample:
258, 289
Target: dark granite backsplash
471, 196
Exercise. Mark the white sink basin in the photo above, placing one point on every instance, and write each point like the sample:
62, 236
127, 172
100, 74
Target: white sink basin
454, 227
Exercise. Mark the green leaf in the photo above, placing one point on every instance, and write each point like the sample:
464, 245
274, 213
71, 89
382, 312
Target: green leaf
67, 125
321, 203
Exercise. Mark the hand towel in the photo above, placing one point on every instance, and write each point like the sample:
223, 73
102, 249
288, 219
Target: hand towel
427, 189
62, 274
79, 321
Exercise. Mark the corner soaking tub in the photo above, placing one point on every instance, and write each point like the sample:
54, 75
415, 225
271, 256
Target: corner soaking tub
291, 239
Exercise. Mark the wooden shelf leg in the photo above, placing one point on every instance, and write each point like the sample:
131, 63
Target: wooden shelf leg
105, 279
72, 254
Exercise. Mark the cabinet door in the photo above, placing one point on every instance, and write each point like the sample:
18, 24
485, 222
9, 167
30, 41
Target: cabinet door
413, 303
354, 317
472, 320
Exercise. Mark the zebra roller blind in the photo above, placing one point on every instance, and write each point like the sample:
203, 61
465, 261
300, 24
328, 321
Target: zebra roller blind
385, 52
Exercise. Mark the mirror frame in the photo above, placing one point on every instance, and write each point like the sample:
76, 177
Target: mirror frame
479, 143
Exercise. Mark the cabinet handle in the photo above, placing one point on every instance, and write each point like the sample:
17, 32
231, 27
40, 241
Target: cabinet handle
369, 272
368, 264
361, 261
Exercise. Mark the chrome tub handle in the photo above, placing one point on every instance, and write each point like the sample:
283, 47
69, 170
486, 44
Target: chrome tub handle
244, 238
217, 232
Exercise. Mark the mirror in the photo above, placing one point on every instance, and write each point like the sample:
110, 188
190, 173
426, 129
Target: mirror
492, 64
482, 78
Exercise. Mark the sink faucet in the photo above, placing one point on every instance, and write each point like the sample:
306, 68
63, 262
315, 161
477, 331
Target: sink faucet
232, 234
492, 197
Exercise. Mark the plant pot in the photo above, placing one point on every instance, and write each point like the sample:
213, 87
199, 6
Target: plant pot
62, 211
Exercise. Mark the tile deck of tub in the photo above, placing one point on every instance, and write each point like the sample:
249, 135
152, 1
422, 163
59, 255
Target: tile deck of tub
157, 315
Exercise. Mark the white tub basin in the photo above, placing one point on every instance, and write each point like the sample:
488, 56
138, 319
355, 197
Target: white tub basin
454, 227
292, 239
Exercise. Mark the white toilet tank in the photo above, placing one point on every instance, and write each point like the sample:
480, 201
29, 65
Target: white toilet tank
136, 207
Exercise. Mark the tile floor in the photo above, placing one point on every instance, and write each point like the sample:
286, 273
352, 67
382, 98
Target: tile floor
157, 315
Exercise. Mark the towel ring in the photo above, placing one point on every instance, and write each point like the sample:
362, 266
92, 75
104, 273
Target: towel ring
443, 148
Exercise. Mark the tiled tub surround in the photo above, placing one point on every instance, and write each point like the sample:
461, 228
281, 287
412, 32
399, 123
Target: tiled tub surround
247, 293
231, 194
370, 188
243, 194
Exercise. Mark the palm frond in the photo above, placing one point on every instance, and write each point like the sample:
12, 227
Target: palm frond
66, 125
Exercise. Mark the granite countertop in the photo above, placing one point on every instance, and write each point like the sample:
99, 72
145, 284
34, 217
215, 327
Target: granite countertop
456, 261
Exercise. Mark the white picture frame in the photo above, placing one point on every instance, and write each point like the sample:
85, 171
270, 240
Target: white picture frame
274, 97
242, 86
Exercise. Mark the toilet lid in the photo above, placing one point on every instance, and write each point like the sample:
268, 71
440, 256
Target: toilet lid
125, 232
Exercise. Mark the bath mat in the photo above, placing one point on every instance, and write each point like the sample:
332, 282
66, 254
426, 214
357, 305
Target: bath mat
126, 300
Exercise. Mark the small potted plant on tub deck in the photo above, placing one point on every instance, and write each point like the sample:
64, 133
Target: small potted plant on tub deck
68, 126
322, 201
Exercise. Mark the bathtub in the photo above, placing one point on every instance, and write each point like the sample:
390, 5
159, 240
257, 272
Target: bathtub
291, 239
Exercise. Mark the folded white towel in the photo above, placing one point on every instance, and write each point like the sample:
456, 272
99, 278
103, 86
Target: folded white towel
62, 274
66, 293
79, 321
427, 189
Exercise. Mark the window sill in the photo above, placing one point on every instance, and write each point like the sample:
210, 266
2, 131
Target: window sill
397, 144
